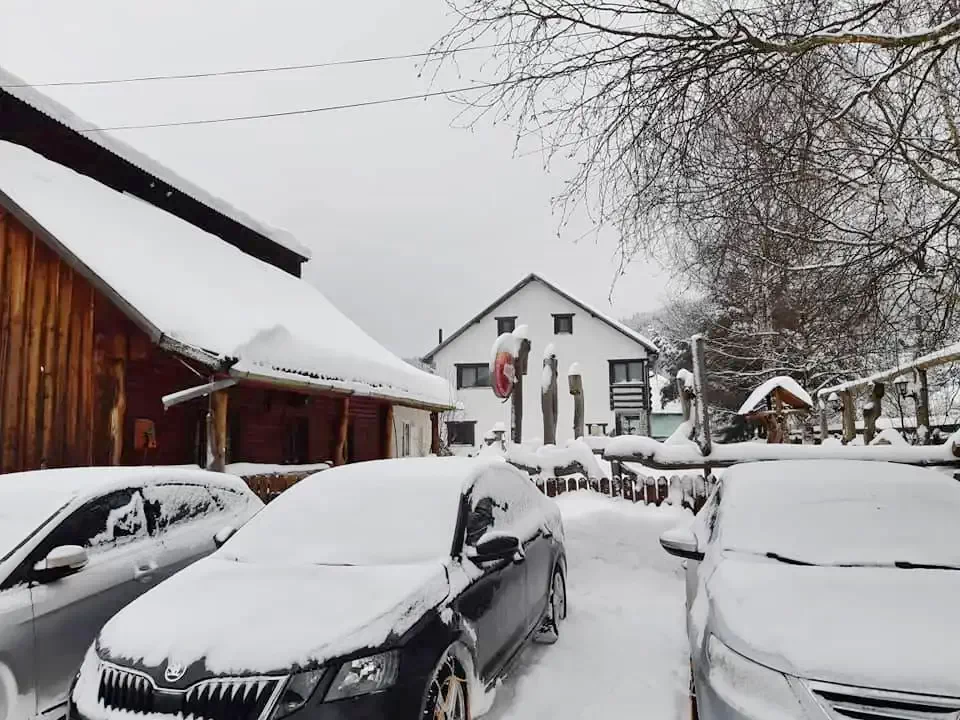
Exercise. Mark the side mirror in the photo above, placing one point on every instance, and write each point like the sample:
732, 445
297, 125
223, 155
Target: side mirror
497, 547
61, 561
682, 543
223, 534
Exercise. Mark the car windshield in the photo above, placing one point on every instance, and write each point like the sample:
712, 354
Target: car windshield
364, 514
23, 510
842, 513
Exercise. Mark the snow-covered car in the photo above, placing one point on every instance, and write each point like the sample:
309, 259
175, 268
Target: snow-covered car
824, 589
78, 544
387, 589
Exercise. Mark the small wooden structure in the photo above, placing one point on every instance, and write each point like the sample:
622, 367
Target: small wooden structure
772, 403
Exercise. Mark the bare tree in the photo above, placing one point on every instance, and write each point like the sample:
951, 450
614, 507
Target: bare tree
816, 138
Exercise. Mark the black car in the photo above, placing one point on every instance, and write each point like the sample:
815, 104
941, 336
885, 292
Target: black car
391, 589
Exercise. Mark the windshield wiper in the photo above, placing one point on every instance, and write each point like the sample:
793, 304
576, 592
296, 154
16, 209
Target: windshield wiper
905, 565
788, 560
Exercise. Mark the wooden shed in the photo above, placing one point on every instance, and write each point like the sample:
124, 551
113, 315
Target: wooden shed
113, 306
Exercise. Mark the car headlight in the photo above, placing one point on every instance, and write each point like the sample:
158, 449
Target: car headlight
296, 692
365, 675
750, 688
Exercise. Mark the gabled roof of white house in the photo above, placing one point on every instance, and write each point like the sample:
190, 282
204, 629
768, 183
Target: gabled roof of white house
15, 86
200, 296
534, 277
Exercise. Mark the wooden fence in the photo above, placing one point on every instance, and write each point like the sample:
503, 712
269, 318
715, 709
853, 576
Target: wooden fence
688, 491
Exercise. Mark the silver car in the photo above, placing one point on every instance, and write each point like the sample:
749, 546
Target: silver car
77, 545
824, 589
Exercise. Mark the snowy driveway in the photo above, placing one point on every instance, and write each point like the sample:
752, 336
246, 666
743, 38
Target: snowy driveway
622, 650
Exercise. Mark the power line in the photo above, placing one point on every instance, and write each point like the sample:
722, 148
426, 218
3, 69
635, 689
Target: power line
246, 71
289, 113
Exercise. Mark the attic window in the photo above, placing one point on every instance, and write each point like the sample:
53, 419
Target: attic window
506, 325
563, 324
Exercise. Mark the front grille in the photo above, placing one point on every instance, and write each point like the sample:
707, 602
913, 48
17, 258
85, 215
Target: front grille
866, 704
216, 699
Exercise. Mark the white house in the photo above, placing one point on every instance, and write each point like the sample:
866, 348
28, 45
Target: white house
614, 360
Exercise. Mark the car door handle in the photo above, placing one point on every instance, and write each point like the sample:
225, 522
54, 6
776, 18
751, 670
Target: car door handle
144, 571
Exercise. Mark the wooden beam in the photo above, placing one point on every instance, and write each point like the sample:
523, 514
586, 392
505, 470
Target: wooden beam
218, 428
87, 376
871, 412
388, 434
15, 286
62, 377
849, 416
923, 402
699, 343
343, 422
435, 433
50, 347
33, 346
118, 409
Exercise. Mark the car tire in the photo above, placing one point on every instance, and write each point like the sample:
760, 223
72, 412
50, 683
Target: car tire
447, 696
549, 631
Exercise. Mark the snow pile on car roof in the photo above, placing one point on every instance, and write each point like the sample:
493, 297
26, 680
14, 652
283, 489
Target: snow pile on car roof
200, 291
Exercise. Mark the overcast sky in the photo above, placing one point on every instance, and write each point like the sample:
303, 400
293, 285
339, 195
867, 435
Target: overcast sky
414, 224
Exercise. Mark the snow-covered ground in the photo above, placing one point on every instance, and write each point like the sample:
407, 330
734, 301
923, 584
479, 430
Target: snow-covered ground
622, 651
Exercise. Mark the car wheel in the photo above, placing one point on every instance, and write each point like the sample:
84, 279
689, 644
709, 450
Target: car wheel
447, 697
549, 631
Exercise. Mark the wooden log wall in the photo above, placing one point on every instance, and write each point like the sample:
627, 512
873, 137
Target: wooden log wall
47, 372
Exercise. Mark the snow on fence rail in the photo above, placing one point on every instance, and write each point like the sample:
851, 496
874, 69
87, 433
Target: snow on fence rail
688, 491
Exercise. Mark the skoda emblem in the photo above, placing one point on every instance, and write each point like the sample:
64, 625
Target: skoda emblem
174, 672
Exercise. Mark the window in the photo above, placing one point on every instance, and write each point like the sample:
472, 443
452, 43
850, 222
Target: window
627, 371
406, 449
506, 325
462, 433
115, 517
563, 324
229, 500
176, 504
630, 425
501, 502
473, 376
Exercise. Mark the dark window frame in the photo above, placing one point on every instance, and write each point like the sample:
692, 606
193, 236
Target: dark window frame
464, 424
509, 319
464, 368
614, 364
561, 318
297, 440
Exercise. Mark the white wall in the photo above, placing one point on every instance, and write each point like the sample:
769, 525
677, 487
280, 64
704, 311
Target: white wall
419, 424
592, 344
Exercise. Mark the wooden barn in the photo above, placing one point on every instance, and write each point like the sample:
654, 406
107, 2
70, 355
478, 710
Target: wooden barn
144, 321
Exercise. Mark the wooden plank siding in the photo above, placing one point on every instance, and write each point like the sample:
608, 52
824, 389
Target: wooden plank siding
46, 355
78, 378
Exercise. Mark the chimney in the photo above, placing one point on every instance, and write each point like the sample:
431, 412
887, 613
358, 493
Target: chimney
440, 336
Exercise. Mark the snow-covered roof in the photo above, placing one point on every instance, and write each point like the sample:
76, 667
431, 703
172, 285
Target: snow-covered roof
18, 88
534, 277
782, 382
184, 284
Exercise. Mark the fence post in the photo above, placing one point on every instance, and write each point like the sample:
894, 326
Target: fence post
700, 386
